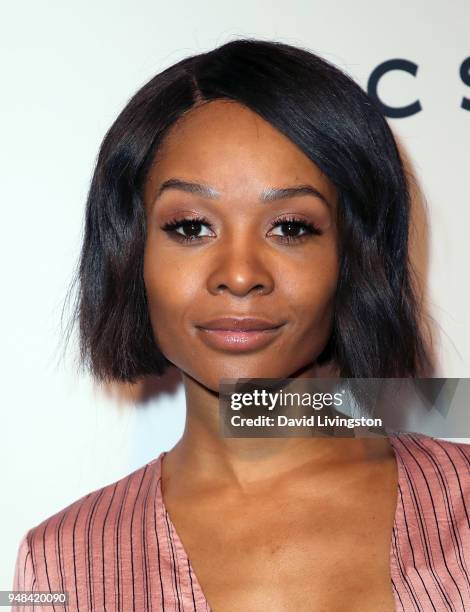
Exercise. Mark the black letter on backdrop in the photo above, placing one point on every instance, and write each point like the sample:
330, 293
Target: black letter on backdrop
465, 76
372, 86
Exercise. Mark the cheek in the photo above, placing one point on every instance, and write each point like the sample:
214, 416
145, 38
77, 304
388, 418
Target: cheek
168, 287
313, 310
312, 288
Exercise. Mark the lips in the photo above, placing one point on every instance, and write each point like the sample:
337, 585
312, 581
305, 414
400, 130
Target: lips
240, 324
238, 334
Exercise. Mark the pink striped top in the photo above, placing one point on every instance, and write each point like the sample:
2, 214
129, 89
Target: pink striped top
116, 548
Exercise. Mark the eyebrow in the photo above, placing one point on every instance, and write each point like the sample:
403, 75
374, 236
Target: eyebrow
269, 194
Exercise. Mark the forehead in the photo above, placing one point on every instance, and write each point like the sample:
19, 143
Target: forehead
227, 145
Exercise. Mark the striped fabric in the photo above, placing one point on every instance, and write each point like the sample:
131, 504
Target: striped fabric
117, 549
430, 552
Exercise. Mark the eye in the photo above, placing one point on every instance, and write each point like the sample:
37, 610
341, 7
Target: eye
190, 228
292, 225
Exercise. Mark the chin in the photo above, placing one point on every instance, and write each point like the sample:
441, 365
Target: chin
238, 373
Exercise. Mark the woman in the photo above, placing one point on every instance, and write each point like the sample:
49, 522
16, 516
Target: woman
256, 182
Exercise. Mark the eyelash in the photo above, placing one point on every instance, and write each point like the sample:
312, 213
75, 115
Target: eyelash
172, 225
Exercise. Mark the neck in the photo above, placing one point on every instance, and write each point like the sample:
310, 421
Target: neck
203, 456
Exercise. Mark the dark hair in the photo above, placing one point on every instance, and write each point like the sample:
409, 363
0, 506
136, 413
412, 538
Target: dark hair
332, 120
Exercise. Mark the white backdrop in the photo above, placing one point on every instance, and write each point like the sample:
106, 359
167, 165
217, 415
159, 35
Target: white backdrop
67, 70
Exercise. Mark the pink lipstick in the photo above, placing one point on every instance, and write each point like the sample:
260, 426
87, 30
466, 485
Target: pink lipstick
239, 334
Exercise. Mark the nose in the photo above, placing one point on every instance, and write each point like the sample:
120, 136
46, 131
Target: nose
240, 268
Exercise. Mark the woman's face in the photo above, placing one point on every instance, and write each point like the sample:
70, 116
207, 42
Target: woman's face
246, 258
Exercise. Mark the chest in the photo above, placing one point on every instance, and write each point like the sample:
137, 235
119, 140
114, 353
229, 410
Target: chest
291, 553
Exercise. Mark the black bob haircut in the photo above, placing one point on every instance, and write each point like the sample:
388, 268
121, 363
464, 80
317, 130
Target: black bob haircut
375, 331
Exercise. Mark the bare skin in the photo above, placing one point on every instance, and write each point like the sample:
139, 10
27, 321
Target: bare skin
268, 524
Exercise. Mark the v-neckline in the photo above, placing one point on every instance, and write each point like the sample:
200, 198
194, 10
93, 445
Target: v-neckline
184, 556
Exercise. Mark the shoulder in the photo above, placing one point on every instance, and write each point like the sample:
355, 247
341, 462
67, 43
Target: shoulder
103, 503
86, 523
431, 535
418, 451
434, 472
